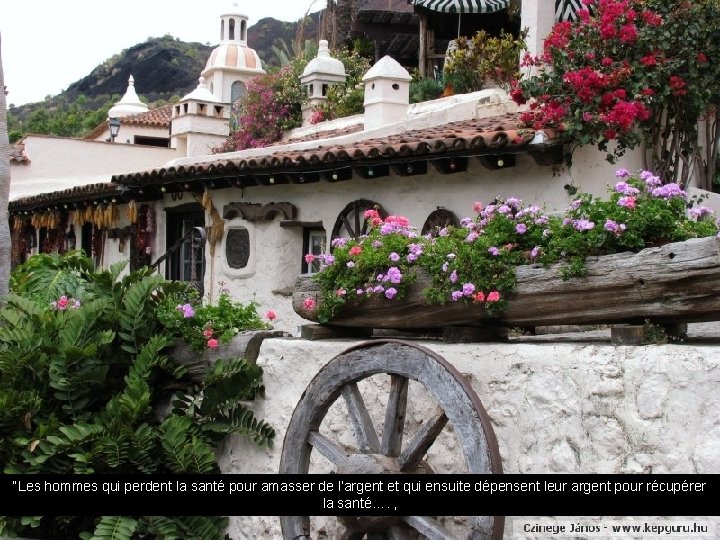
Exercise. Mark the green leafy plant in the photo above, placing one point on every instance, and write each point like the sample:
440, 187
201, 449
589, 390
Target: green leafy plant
630, 72
207, 325
476, 261
474, 63
424, 89
80, 384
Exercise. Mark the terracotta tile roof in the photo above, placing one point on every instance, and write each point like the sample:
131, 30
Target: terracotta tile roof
499, 134
78, 193
159, 118
18, 155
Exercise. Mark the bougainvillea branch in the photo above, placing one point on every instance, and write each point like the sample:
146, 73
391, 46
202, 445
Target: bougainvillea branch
629, 72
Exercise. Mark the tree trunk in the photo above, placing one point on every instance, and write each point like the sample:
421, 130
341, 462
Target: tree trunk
678, 282
5, 246
345, 10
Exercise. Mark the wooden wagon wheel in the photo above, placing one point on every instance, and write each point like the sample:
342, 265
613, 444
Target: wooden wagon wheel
351, 222
458, 404
439, 219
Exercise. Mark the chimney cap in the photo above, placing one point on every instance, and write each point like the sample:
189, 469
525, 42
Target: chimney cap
387, 68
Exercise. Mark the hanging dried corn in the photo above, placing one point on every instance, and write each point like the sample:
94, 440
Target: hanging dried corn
217, 228
77, 218
131, 212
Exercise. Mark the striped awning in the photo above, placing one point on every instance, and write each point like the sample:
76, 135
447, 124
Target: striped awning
566, 10
462, 6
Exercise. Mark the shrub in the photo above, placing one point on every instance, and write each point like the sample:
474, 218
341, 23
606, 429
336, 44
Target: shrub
632, 71
475, 61
79, 386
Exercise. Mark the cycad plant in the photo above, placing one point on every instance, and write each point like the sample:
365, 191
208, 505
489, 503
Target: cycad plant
82, 373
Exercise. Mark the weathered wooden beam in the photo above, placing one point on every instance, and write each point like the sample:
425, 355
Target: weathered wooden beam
675, 283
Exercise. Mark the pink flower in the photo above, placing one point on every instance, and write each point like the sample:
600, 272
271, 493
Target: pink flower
479, 297
340, 292
627, 202
309, 258
212, 343
62, 303
493, 296
309, 303
478, 207
355, 250
271, 315
208, 333
399, 221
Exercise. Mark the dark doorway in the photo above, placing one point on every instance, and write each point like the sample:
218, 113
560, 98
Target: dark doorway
187, 261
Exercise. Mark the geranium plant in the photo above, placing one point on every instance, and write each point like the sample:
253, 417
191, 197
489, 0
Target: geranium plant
475, 262
632, 71
208, 325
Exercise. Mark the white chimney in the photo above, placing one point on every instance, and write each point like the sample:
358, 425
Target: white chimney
387, 93
321, 72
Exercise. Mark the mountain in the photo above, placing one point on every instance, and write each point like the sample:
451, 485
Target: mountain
164, 69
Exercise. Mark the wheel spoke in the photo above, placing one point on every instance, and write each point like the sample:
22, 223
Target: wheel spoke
331, 450
423, 439
395, 416
357, 212
430, 527
397, 532
365, 433
348, 227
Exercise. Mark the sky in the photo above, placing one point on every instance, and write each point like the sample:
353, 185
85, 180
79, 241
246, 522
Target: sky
49, 44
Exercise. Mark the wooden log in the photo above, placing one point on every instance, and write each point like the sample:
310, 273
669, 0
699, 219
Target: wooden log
674, 283
245, 344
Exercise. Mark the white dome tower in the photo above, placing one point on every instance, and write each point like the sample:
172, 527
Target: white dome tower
129, 104
232, 63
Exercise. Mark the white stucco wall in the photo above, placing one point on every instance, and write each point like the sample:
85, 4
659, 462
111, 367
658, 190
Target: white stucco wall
555, 408
58, 163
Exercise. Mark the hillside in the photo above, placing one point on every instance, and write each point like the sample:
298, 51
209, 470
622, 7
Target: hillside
164, 69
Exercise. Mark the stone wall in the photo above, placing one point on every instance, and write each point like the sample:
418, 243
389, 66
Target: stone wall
555, 408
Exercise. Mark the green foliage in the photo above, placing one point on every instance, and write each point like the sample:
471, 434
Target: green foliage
425, 89
60, 117
475, 61
80, 386
207, 325
45, 277
476, 262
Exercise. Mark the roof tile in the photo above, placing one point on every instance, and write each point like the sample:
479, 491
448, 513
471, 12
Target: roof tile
485, 134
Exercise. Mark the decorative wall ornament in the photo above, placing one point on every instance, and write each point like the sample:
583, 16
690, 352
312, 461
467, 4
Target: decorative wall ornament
259, 212
237, 247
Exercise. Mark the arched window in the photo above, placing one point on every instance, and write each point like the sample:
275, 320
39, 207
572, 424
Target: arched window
231, 30
243, 31
237, 91
222, 30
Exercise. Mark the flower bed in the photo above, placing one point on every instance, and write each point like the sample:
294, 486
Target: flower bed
475, 266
